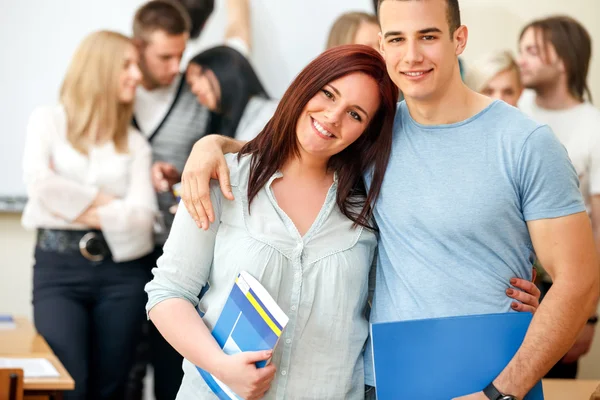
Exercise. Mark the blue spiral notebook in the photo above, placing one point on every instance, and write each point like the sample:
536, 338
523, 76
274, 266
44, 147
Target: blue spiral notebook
251, 320
442, 358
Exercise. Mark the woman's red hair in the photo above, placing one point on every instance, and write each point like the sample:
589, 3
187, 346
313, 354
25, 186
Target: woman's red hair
368, 154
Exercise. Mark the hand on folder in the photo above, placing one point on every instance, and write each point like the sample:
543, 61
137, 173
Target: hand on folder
474, 396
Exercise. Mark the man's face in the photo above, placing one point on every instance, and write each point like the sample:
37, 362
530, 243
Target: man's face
160, 56
539, 63
419, 51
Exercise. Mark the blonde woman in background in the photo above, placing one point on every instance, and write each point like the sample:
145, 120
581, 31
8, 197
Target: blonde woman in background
496, 75
92, 203
354, 28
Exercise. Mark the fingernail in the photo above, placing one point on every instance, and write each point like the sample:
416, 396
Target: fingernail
513, 281
203, 225
513, 305
509, 292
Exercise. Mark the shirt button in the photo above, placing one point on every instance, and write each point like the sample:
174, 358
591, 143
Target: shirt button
288, 341
293, 308
284, 372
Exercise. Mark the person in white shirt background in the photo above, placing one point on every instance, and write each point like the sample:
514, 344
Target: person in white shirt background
554, 58
168, 114
91, 200
496, 75
162, 29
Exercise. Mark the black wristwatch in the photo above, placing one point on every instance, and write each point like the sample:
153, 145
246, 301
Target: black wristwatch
494, 394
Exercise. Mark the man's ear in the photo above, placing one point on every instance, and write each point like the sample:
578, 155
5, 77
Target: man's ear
380, 36
460, 36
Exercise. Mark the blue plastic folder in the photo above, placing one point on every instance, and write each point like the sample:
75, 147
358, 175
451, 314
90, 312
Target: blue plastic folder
442, 358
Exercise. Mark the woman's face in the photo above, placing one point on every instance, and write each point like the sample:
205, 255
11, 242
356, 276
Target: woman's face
504, 86
204, 85
130, 76
367, 34
337, 115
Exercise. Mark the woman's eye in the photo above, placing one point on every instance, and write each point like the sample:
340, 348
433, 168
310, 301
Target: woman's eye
355, 115
327, 93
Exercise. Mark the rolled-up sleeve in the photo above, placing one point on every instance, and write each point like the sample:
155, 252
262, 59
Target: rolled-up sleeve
183, 269
127, 223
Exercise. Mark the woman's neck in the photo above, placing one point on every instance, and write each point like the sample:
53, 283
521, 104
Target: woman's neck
307, 168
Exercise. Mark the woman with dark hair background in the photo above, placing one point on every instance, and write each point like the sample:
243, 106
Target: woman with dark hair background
224, 82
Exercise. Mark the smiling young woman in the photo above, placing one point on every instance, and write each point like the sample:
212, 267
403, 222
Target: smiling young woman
299, 220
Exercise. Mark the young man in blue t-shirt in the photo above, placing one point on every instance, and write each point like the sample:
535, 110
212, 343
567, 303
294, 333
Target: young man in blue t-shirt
474, 190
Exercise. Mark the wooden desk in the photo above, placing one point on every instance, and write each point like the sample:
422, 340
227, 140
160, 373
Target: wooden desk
569, 389
25, 342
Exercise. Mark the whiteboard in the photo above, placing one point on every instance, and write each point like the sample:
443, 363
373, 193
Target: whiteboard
38, 38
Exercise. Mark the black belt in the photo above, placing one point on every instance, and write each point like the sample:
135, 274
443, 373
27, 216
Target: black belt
90, 244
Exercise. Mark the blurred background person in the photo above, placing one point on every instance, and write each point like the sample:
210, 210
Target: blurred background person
354, 28
224, 82
167, 113
554, 57
496, 75
91, 200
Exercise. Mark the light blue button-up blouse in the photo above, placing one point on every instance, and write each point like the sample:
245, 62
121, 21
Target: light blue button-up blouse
320, 280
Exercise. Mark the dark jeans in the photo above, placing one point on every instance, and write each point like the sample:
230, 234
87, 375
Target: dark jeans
90, 314
154, 350
561, 370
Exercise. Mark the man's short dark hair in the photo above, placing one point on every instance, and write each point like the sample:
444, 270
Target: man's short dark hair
199, 11
164, 15
452, 13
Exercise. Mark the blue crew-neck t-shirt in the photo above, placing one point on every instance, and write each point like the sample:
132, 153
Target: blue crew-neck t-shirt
453, 212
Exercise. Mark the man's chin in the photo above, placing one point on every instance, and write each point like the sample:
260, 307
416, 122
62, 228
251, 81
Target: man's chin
168, 82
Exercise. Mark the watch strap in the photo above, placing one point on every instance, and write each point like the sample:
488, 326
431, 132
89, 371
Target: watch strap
491, 392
